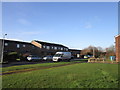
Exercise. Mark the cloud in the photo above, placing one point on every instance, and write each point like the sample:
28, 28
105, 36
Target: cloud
96, 19
88, 26
24, 21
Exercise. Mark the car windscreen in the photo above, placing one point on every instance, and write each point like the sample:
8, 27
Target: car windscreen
58, 55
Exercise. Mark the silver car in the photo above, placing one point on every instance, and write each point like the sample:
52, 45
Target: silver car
47, 58
33, 58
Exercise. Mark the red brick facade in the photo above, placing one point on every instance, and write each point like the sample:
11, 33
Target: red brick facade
117, 40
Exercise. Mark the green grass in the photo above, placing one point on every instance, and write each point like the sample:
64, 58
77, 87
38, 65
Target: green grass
29, 66
81, 75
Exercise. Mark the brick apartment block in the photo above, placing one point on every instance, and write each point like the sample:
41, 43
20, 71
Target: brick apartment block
117, 40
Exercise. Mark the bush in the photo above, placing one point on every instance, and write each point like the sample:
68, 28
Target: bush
12, 57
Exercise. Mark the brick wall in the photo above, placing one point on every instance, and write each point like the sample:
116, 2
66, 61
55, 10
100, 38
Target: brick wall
117, 40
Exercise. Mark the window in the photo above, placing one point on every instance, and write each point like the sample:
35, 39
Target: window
43, 46
61, 48
48, 47
6, 44
52, 47
23, 45
66, 49
55, 48
18, 45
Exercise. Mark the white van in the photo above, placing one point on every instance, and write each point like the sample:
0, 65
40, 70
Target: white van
59, 56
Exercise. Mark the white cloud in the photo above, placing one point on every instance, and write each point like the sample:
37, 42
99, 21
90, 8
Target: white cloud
96, 19
88, 25
93, 20
24, 21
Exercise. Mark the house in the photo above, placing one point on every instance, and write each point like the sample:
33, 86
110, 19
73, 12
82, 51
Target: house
117, 46
34, 47
19, 47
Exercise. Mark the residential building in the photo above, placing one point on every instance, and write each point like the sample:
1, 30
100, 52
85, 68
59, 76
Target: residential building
45, 48
34, 47
18, 46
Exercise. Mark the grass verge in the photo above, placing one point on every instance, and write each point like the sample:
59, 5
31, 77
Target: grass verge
81, 75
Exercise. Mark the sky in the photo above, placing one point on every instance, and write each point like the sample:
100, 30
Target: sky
76, 25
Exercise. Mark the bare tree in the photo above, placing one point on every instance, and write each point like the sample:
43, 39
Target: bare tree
110, 51
94, 51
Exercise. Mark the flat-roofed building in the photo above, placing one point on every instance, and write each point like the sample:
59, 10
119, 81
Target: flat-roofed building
117, 46
46, 48
34, 47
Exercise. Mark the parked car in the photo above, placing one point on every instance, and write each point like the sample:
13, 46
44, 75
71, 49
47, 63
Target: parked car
33, 58
48, 58
60, 56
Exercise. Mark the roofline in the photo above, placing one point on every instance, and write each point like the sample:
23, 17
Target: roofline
50, 43
74, 49
15, 40
117, 35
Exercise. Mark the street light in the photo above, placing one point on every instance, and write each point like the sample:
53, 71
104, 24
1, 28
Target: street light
2, 48
4, 36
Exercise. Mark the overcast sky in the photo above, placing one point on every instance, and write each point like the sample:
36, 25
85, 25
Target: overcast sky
74, 24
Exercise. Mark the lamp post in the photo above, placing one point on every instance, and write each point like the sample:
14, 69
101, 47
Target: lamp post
2, 48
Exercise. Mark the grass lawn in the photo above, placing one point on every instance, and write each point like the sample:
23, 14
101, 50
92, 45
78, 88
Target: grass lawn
33, 66
81, 75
